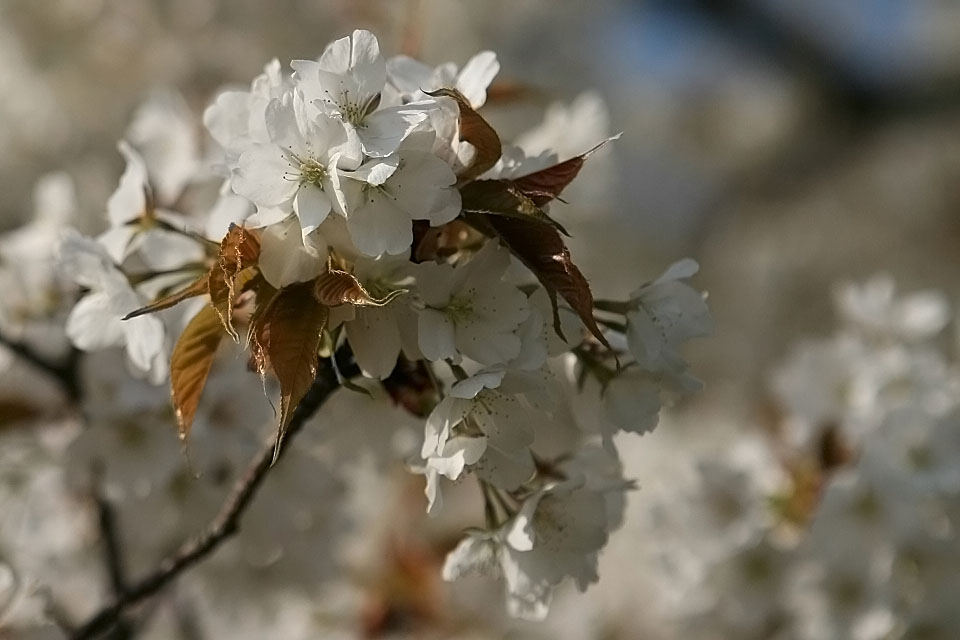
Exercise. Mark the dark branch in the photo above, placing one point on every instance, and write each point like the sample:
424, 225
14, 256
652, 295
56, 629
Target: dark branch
227, 521
66, 372
112, 556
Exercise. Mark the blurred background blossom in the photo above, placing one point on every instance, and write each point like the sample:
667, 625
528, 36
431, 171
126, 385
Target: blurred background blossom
794, 149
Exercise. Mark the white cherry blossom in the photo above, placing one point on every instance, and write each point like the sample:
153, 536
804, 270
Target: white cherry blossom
384, 196
557, 533
288, 254
347, 83
377, 335
482, 426
632, 402
237, 119
164, 132
412, 79
295, 170
663, 315
136, 225
96, 320
469, 310
874, 309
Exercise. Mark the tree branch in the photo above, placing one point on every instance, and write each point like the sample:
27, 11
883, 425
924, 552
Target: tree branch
112, 555
63, 372
227, 521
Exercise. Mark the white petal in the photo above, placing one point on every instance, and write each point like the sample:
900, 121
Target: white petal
227, 118
357, 57
457, 453
145, 337
349, 153
118, 241
384, 129
506, 471
520, 533
163, 250
446, 207
228, 209
632, 403
436, 335
312, 206
500, 306
435, 282
505, 420
337, 57
432, 491
284, 127
525, 599
266, 216
92, 325
408, 75
644, 338
285, 259
680, 270
470, 387
129, 200
375, 339
266, 176
533, 347
377, 226
327, 136
83, 259
488, 264
417, 185
474, 554
479, 341
376, 171
476, 76
446, 415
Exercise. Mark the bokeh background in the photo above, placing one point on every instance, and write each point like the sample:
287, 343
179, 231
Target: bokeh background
784, 145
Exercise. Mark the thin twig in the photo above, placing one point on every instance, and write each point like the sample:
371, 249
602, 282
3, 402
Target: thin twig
64, 372
224, 525
112, 555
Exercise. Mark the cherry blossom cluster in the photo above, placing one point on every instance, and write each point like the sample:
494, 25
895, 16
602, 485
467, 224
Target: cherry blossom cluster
840, 521
367, 213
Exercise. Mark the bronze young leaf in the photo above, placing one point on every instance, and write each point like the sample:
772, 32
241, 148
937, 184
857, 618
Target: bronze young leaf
542, 250
336, 287
286, 341
478, 132
196, 288
547, 184
190, 365
235, 267
503, 198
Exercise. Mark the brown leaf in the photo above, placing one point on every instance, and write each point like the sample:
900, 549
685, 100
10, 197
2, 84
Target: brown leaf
503, 198
239, 249
190, 365
542, 250
478, 132
235, 267
196, 288
336, 287
547, 184
286, 340
224, 293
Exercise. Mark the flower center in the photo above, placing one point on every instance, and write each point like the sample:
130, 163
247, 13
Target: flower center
312, 172
352, 110
460, 308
